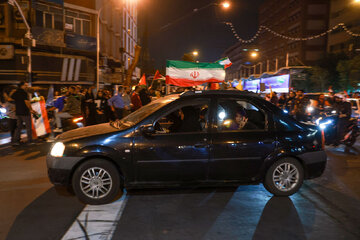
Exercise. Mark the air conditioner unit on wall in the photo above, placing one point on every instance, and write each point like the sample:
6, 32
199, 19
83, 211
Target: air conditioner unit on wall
6, 52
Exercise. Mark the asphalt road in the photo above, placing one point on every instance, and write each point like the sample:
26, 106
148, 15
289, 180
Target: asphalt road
324, 208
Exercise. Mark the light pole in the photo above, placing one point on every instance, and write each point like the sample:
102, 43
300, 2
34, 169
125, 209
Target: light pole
98, 49
28, 35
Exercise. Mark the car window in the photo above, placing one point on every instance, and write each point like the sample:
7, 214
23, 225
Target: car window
354, 104
143, 112
187, 117
239, 115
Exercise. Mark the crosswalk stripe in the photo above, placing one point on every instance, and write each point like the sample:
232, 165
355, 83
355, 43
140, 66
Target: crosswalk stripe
97, 222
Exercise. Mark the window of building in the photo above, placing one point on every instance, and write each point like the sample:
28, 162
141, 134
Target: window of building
316, 24
317, 9
49, 16
79, 23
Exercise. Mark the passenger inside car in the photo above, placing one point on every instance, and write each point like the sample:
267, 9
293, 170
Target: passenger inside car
240, 122
190, 123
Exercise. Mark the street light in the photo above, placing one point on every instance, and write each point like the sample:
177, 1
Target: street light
254, 54
195, 53
226, 5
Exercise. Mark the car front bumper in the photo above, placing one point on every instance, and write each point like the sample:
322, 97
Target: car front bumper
314, 163
61, 168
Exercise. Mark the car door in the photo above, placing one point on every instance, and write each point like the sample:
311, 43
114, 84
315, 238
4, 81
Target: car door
238, 151
179, 149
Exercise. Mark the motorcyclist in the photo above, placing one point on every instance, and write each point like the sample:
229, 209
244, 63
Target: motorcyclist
301, 103
71, 108
320, 104
343, 109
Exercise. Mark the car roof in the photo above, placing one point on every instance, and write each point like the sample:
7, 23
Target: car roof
218, 92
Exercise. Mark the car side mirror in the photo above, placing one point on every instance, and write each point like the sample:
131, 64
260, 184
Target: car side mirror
148, 130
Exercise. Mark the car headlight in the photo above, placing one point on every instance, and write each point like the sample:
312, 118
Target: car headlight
310, 109
325, 124
57, 150
3, 110
318, 121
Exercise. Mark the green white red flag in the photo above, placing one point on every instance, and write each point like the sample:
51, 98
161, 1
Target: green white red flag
142, 80
225, 62
187, 74
158, 75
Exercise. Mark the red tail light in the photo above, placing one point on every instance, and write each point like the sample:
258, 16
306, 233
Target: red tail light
79, 119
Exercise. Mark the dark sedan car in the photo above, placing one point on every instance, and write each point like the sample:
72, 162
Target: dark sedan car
203, 138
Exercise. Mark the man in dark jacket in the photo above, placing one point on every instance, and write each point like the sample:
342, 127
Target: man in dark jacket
23, 112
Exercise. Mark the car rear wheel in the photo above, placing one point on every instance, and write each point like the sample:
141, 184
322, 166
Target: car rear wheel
284, 177
96, 181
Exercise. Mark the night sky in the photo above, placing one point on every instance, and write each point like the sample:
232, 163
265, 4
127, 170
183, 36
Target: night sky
203, 31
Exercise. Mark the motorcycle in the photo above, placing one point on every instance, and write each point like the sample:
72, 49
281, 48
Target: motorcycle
67, 123
328, 124
3, 120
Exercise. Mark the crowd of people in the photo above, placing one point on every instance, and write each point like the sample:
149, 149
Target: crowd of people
107, 105
300, 106
73, 101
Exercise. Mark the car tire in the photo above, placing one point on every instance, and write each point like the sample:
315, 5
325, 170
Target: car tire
286, 182
96, 181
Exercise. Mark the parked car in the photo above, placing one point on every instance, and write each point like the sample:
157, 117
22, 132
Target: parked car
201, 138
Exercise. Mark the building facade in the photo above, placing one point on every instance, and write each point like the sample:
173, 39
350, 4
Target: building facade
348, 12
65, 33
118, 37
65, 43
295, 18
244, 64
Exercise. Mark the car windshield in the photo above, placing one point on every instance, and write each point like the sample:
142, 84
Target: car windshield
140, 114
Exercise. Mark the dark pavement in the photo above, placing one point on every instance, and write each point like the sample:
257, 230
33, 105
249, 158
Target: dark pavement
324, 208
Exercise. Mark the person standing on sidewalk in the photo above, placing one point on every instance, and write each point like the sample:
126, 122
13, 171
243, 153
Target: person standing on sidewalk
23, 113
117, 104
127, 101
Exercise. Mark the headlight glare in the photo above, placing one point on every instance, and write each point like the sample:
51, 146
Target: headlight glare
57, 150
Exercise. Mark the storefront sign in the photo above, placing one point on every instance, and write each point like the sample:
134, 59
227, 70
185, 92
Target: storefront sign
48, 37
279, 84
252, 86
80, 42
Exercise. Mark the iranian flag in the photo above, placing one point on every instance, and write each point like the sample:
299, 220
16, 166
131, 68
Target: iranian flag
225, 62
188, 74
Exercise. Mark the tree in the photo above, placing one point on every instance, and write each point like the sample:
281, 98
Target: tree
319, 78
349, 73
330, 63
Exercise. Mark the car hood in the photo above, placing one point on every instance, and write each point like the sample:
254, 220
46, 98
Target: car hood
87, 132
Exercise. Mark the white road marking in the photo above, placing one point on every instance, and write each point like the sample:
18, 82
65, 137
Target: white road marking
97, 222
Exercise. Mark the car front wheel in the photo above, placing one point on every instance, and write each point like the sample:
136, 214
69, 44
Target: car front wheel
96, 181
284, 177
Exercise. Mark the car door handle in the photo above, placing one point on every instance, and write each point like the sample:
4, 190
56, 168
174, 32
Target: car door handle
201, 145
268, 141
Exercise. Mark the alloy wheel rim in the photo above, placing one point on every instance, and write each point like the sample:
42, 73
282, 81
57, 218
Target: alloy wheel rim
96, 182
286, 177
